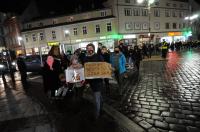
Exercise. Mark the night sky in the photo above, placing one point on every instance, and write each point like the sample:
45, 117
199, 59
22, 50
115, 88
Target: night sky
46, 6
56, 6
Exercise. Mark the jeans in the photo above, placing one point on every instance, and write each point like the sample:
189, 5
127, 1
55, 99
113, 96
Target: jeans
98, 103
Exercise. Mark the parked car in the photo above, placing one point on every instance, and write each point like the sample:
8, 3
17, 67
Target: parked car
33, 63
4, 66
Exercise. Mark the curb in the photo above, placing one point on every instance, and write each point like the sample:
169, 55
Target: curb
122, 120
118, 117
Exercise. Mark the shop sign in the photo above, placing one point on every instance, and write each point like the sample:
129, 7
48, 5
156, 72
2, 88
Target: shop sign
97, 70
53, 43
174, 34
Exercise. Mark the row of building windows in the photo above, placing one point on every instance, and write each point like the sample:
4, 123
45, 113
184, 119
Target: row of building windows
145, 26
156, 3
55, 21
145, 12
75, 32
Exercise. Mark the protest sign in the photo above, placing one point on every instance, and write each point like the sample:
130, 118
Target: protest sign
74, 75
97, 70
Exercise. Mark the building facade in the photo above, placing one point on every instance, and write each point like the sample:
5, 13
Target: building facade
70, 32
163, 19
121, 19
12, 34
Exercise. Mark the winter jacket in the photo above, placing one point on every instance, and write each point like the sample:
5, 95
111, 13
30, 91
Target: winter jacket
122, 62
95, 84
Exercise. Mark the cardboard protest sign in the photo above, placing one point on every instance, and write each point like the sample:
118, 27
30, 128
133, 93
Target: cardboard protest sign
74, 75
97, 70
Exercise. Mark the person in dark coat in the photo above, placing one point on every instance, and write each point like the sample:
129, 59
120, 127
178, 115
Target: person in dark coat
95, 84
106, 57
22, 69
137, 56
51, 71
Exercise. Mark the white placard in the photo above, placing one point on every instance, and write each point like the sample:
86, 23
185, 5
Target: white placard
74, 75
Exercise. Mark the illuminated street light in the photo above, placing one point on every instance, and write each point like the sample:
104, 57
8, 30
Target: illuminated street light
186, 18
67, 32
194, 17
19, 40
140, 1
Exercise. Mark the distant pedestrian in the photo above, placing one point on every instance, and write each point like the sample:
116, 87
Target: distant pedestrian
22, 69
137, 56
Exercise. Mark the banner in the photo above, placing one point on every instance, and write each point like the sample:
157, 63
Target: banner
97, 70
74, 75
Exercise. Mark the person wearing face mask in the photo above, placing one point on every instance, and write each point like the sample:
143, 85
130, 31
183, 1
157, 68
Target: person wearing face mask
118, 62
106, 57
95, 84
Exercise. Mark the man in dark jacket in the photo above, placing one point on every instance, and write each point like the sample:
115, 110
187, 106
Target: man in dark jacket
137, 56
95, 84
106, 57
22, 69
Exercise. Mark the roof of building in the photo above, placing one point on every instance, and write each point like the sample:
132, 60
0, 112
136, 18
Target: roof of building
67, 23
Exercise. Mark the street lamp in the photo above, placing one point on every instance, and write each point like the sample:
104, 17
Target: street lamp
20, 39
149, 2
67, 34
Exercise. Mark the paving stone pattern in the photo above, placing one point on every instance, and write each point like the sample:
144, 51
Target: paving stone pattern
167, 97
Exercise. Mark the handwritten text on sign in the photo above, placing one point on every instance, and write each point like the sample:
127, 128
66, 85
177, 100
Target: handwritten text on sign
97, 70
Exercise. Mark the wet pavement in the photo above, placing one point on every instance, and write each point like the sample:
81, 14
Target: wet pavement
167, 95
29, 110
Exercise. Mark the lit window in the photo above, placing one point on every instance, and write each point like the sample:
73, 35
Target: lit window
109, 27
75, 31
98, 29
41, 36
84, 30
34, 37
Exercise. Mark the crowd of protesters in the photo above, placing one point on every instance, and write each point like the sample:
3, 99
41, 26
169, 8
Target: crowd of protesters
123, 57
57, 62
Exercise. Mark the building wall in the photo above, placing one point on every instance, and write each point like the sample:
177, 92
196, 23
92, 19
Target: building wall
142, 20
70, 39
67, 19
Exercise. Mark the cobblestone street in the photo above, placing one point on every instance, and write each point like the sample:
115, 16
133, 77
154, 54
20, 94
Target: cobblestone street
167, 97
